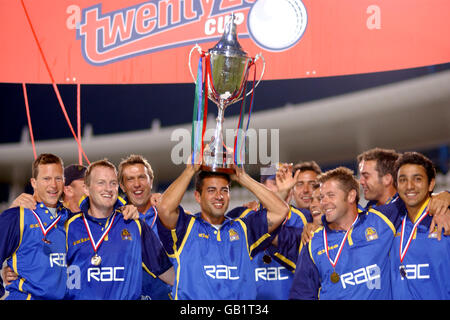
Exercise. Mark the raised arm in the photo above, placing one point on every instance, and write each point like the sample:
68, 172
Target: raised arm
171, 198
277, 209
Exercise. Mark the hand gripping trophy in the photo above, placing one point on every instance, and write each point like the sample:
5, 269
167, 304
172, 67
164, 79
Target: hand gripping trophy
222, 76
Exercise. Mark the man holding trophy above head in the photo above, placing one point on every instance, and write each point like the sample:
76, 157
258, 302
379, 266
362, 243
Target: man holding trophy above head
212, 253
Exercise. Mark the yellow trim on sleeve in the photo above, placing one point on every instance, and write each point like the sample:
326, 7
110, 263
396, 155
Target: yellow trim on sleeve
254, 245
139, 226
285, 260
385, 219
258, 242
188, 231
244, 227
243, 214
147, 270
21, 281
173, 232
66, 228
21, 229
122, 200
299, 213
177, 252
309, 243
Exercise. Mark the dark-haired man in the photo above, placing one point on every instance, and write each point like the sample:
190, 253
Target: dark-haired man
211, 252
377, 178
376, 168
419, 262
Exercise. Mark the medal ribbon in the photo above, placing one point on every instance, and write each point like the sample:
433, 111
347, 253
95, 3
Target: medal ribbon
41, 225
198, 115
325, 243
239, 141
95, 246
424, 213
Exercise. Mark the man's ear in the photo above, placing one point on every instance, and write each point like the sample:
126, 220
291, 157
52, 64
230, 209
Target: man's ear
197, 196
68, 190
351, 197
33, 183
431, 185
387, 180
86, 190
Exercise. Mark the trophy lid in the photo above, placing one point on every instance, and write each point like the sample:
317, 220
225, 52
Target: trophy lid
228, 45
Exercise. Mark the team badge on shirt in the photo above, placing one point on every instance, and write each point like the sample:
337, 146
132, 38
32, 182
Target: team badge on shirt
371, 234
126, 235
233, 235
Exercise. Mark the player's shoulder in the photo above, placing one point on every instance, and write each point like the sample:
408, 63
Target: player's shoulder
381, 210
384, 215
10, 214
317, 237
74, 218
239, 212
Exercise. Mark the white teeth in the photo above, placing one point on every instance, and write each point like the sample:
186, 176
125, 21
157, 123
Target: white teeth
107, 196
138, 192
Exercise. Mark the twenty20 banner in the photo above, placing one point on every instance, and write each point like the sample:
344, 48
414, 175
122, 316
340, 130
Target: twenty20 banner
138, 41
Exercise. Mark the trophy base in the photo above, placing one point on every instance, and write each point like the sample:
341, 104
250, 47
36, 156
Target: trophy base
217, 169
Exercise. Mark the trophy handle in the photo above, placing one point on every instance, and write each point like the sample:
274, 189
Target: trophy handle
259, 55
199, 49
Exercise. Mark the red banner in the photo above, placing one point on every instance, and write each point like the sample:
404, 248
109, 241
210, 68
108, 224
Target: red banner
136, 41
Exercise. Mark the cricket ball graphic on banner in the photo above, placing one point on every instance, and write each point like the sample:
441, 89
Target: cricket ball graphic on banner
277, 25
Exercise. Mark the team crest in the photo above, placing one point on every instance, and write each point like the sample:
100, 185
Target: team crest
371, 234
126, 235
233, 235
434, 234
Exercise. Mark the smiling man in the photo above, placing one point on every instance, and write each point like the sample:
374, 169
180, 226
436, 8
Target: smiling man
105, 253
33, 240
136, 180
376, 168
348, 256
306, 179
420, 263
211, 252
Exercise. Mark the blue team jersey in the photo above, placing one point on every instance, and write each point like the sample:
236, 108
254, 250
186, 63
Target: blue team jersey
153, 288
373, 203
214, 263
427, 264
40, 263
272, 267
128, 247
363, 265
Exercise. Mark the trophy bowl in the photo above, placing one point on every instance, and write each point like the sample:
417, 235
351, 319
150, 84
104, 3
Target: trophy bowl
227, 74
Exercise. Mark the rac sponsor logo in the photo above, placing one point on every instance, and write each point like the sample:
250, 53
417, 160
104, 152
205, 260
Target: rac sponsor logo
369, 275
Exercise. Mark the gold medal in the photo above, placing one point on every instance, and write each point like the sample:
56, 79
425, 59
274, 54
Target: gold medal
334, 277
96, 260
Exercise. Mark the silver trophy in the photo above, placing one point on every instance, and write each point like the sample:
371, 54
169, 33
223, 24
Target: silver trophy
228, 75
